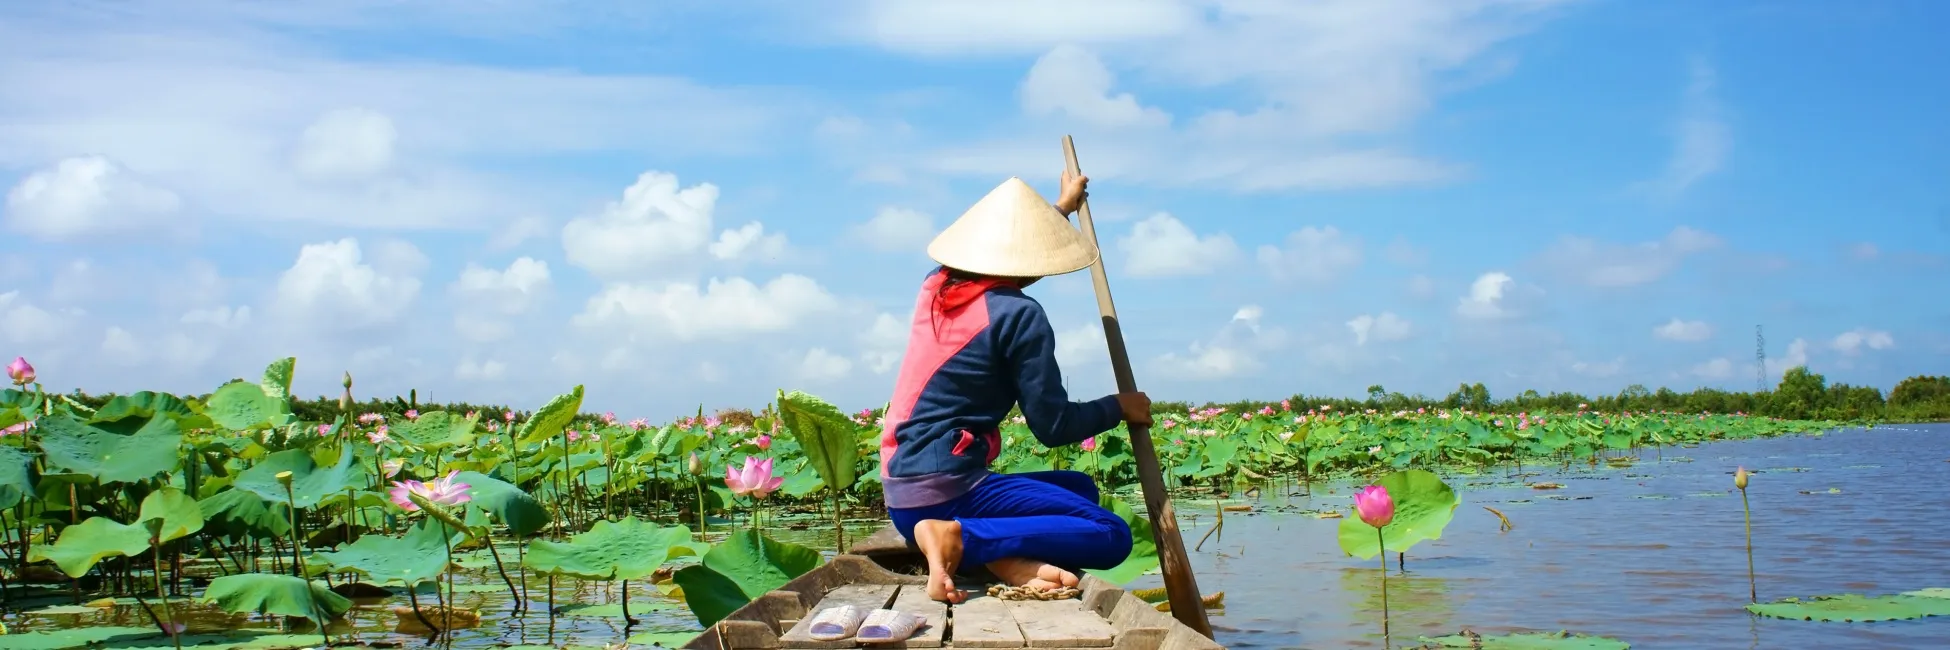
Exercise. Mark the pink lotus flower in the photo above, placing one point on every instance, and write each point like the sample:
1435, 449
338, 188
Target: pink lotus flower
1286, 405
392, 466
378, 436
755, 480
16, 429
764, 442
1374, 505
509, 416
574, 435
444, 491
412, 414
324, 430
20, 371
371, 418
1090, 443
1266, 411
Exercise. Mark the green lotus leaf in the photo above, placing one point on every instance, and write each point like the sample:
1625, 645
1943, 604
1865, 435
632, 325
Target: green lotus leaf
169, 514
76, 637
739, 569
436, 430
241, 405
418, 556
1853, 608
615, 610
673, 639
311, 483
1932, 592
266, 593
1528, 641
514, 508
125, 414
16, 483
1144, 547
1423, 507
552, 417
242, 513
828, 438
73, 445
277, 378
620, 550
82, 545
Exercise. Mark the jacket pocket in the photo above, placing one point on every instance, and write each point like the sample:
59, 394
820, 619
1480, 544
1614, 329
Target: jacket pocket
961, 445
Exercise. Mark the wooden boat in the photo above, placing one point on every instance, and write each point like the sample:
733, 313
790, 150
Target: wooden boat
884, 571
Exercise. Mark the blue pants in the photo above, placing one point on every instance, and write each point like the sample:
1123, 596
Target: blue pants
1046, 516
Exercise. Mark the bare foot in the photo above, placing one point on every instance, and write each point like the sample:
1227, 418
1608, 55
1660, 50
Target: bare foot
1032, 574
940, 541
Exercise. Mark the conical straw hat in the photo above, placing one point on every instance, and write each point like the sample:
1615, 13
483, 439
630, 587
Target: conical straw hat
1013, 232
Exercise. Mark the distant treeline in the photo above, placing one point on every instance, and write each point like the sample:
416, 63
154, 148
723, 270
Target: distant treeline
1801, 395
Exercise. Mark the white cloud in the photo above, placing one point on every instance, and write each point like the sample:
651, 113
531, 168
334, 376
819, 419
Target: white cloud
1421, 287
331, 286
220, 317
1613, 265
653, 228
896, 230
472, 370
1073, 81
1703, 139
1235, 351
1683, 330
1161, 246
1863, 251
517, 232
884, 343
1852, 341
1081, 345
1714, 370
120, 347
1382, 327
1312, 255
723, 310
1486, 296
821, 366
346, 143
508, 292
86, 195
1797, 355
749, 242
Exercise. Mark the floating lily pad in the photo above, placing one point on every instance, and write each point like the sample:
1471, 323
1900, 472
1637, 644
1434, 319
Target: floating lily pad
1652, 496
619, 550
71, 637
672, 639
1528, 641
64, 610
1932, 592
1854, 608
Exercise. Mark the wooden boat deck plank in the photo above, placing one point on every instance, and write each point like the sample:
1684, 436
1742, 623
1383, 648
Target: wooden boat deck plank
1060, 624
868, 596
914, 599
984, 622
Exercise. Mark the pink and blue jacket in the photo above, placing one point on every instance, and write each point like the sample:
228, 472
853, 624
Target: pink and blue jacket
974, 351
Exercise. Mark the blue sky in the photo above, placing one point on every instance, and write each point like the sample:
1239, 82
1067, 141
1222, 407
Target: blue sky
685, 202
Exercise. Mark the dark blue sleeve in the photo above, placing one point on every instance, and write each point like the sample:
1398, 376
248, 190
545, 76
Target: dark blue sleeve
1028, 345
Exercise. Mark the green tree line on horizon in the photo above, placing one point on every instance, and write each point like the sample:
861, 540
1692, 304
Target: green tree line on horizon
1800, 395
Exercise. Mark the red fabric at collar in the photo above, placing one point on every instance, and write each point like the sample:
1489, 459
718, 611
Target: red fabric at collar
960, 294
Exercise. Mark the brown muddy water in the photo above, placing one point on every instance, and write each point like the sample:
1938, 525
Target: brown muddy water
1651, 554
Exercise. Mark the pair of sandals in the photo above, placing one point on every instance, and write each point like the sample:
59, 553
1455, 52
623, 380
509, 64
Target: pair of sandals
876, 626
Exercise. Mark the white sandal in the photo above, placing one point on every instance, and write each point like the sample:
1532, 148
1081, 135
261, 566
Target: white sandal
836, 623
889, 626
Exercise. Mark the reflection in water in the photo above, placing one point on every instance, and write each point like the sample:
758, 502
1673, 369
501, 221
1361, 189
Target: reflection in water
1652, 553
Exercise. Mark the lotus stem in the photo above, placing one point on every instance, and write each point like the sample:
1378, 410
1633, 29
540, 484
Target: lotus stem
702, 527
1382, 542
155, 546
413, 599
627, 620
839, 524
488, 537
291, 501
1753, 592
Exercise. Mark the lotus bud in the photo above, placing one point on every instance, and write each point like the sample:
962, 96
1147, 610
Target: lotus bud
348, 380
696, 466
1740, 475
20, 371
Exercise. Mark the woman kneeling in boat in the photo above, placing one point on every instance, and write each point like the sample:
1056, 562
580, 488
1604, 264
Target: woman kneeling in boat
978, 347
